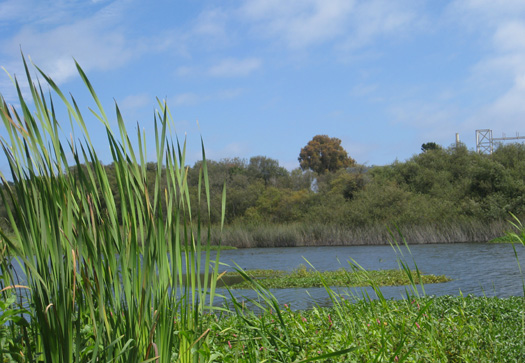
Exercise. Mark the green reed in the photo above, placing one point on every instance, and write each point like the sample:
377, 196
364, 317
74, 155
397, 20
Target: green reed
105, 283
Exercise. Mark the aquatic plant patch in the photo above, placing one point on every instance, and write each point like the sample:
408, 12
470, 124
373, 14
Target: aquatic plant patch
304, 278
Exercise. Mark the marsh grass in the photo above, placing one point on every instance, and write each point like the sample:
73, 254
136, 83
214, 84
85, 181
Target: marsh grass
303, 234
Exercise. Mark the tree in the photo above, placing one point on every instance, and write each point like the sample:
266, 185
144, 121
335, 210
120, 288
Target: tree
324, 154
265, 168
430, 146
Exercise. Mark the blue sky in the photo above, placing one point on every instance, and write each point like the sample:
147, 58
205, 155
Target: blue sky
262, 77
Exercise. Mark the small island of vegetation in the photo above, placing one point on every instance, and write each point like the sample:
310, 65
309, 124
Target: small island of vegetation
302, 277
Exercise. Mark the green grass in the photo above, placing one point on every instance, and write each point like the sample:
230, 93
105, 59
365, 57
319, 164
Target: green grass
442, 329
304, 278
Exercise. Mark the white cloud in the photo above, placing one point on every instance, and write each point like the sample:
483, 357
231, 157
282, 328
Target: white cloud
510, 37
228, 67
499, 27
513, 101
380, 17
474, 14
507, 111
89, 41
298, 23
350, 23
40, 12
14, 9
211, 22
232, 67
54, 51
97, 38
209, 31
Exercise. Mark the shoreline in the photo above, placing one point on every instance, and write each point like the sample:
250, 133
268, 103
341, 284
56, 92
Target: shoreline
316, 235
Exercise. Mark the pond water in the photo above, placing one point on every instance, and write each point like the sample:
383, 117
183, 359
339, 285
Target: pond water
476, 268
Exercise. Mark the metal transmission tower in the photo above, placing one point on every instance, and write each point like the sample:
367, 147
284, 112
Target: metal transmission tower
485, 141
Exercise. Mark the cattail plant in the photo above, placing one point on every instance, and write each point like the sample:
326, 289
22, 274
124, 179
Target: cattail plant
106, 281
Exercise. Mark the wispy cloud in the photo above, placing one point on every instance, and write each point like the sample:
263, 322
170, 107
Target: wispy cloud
210, 31
42, 13
510, 37
474, 14
232, 67
211, 22
98, 40
15, 9
229, 67
374, 18
186, 99
348, 23
299, 23
192, 99
507, 110
54, 50
501, 69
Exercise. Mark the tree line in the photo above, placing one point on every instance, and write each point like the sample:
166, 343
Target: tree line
437, 186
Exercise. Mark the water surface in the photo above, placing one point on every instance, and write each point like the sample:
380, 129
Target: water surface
476, 268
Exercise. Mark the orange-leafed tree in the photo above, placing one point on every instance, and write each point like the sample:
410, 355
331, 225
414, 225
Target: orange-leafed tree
324, 154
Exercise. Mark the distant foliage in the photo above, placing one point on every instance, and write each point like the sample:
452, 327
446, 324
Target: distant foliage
266, 169
324, 154
430, 146
437, 187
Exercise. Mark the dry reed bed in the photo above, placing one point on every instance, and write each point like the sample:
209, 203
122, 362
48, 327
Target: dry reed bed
302, 235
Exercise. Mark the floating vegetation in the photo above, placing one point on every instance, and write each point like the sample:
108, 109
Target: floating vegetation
303, 277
